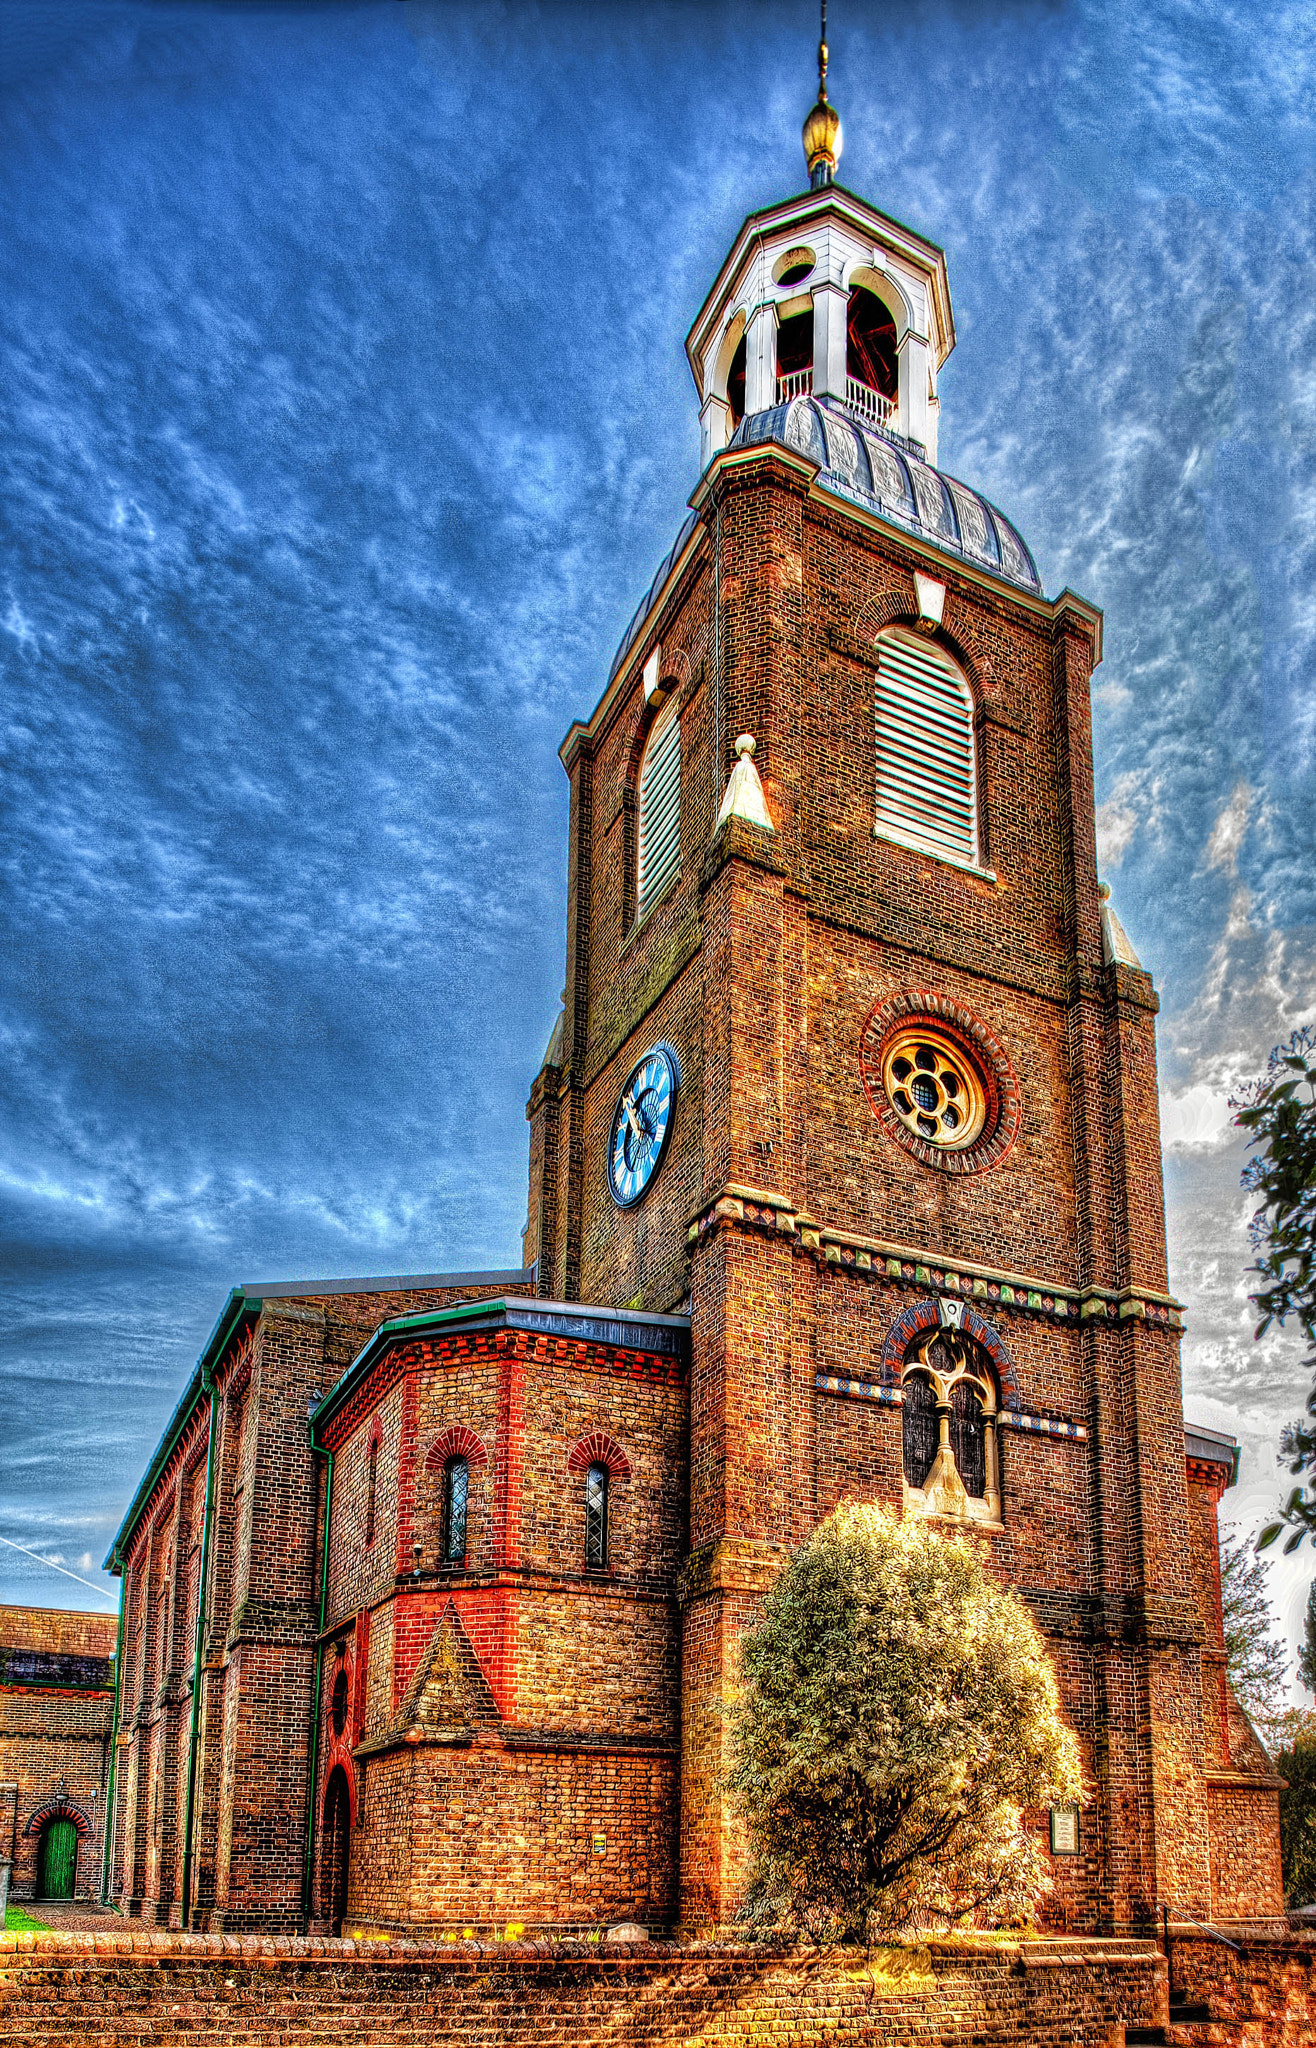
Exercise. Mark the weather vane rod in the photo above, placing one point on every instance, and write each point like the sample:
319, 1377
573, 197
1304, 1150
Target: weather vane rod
822, 129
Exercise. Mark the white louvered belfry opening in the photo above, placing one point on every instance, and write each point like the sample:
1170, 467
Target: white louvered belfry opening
660, 811
926, 785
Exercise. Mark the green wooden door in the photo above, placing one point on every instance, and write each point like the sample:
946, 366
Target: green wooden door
59, 1858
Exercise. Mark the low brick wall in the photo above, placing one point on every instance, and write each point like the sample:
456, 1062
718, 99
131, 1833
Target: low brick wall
1262, 1995
122, 1988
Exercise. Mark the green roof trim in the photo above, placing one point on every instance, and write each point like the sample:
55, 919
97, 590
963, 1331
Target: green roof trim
562, 1318
239, 1307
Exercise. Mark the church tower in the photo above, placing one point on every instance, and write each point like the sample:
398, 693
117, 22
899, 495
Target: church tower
856, 1065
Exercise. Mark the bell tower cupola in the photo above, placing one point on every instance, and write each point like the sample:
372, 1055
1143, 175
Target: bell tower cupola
824, 297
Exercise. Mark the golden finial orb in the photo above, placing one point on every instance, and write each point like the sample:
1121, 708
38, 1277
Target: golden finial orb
822, 128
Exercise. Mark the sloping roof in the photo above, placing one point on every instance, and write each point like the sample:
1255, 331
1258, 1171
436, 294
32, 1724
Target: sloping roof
888, 475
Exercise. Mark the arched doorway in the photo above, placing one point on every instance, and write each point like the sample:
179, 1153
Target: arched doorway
335, 1844
57, 1860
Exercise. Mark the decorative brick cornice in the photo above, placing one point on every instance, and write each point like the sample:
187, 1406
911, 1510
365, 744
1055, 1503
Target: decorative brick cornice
758, 1210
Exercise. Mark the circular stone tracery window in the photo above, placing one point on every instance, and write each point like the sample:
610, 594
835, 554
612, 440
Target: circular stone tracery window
936, 1092
939, 1082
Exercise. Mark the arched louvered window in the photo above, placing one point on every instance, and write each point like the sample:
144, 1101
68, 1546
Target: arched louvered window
660, 810
926, 780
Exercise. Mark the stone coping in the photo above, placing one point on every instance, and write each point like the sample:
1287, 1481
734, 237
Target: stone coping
1039, 1951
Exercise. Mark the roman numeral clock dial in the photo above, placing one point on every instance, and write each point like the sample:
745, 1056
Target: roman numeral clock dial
641, 1124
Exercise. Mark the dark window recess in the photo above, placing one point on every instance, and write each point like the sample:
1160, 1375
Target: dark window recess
596, 1518
795, 344
338, 1703
372, 1474
796, 274
919, 1428
53, 1667
870, 344
335, 1849
456, 1486
968, 1437
736, 384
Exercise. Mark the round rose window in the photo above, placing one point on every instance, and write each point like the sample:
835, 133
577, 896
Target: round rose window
939, 1081
934, 1089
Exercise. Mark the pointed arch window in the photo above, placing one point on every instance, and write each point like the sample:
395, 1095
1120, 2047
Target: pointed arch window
949, 1408
926, 785
660, 810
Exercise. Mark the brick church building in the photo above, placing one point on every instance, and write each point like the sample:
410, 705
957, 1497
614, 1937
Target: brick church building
845, 1180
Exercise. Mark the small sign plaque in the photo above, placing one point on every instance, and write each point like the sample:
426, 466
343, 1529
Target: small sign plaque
598, 1843
1064, 1831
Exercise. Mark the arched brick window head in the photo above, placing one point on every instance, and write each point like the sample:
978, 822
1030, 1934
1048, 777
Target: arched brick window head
598, 1448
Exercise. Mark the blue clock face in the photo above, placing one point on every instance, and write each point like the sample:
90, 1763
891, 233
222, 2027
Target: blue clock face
641, 1123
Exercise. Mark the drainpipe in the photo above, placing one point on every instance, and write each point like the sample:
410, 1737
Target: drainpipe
195, 1736
308, 1865
107, 1846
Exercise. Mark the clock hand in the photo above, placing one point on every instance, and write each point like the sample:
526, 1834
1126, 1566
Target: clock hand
636, 1126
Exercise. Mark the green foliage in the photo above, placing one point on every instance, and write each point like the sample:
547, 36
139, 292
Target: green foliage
1307, 1653
1258, 1660
1279, 1113
898, 1715
1295, 1761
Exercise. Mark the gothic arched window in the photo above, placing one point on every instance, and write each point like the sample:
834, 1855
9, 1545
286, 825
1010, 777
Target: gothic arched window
949, 1429
338, 1704
926, 790
660, 810
596, 1518
968, 1437
456, 1485
919, 1427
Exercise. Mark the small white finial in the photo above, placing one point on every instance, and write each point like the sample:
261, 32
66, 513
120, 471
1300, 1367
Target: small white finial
744, 797
1115, 941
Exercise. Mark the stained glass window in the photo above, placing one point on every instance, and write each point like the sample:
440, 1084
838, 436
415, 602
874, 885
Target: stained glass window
456, 1483
919, 1427
968, 1437
596, 1518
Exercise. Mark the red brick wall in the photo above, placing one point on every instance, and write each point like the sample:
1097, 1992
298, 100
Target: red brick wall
262, 1612
761, 966
56, 1708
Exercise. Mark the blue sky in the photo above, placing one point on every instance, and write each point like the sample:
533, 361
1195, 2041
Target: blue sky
346, 416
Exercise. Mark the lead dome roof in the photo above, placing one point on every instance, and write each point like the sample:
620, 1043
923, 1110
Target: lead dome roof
886, 475
883, 475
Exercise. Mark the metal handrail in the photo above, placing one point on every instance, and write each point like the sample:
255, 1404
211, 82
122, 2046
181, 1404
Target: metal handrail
1188, 1920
